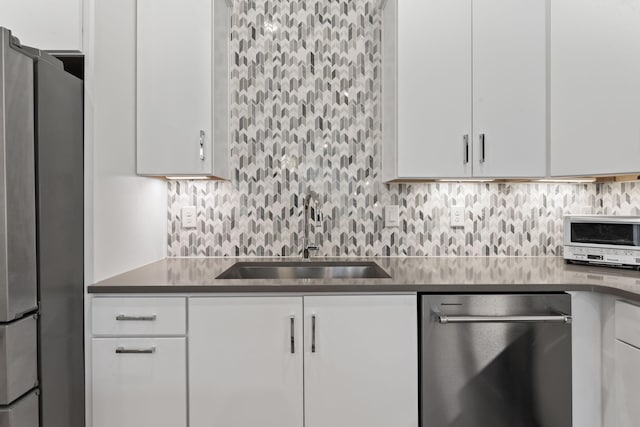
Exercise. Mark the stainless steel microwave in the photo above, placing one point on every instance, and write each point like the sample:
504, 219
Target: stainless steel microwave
602, 240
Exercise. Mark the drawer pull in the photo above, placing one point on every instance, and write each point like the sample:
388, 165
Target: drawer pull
122, 350
123, 317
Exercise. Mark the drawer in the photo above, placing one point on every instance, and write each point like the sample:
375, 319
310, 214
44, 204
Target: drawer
18, 359
22, 413
628, 323
139, 316
139, 382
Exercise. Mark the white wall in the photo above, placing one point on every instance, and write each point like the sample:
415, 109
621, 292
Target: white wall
125, 214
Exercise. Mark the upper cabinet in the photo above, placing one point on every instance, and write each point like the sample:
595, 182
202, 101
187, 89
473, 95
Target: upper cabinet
464, 89
44, 24
182, 88
595, 83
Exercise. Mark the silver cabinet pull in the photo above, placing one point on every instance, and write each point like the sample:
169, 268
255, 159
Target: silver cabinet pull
202, 145
465, 141
123, 317
313, 333
122, 350
561, 318
482, 148
292, 327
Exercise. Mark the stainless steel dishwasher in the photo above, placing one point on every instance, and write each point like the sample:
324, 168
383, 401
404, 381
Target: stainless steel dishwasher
496, 360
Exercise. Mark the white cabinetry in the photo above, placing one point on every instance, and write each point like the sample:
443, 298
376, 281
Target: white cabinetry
139, 382
594, 87
361, 361
464, 89
182, 88
44, 24
627, 384
245, 362
627, 364
360, 354
138, 362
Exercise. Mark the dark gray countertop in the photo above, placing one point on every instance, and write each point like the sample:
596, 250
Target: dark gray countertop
409, 274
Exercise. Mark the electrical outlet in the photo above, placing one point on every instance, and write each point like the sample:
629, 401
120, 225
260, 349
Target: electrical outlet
188, 217
457, 216
392, 216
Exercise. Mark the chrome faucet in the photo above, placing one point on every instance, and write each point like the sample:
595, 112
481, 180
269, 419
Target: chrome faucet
311, 211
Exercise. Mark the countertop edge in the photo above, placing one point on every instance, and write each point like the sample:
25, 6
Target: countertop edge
304, 289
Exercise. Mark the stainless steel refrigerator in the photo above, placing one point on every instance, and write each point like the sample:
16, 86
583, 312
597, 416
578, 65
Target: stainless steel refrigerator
41, 240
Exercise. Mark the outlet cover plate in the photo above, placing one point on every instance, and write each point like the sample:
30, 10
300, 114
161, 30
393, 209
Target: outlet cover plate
189, 217
457, 216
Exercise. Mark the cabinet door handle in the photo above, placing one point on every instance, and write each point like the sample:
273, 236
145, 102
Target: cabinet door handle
465, 141
124, 317
292, 328
313, 333
482, 148
122, 350
202, 134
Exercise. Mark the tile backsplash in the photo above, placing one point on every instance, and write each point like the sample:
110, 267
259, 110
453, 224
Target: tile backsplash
305, 114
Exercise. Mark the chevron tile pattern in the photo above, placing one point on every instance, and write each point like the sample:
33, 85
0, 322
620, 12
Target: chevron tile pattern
305, 114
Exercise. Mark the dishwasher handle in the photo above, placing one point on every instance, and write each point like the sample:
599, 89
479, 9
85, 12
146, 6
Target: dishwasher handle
560, 318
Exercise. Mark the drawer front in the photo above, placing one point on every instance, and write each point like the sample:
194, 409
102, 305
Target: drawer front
18, 359
628, 323
23, 413
139, 382
139, 316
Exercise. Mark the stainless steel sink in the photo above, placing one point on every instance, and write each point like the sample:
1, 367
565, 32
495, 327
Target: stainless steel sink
305, 270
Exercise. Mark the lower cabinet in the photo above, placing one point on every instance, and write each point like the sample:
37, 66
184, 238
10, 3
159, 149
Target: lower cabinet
245, 362
340, 361
361, 361
139, 382
627, 364
627, 384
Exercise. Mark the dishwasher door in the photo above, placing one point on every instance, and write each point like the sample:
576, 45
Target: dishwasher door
496, 360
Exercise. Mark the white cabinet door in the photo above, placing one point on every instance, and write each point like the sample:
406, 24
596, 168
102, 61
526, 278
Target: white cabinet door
361, 361
595, 82
245, 362
139, 382
627, 385
44, 24
434, 88
174, 87
509, 88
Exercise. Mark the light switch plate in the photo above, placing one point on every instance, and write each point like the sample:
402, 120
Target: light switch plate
392, 216
188, 217
457, 216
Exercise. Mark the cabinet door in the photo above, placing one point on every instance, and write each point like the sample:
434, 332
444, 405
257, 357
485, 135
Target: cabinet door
595, 82
509, 88
361, 361
245, 362
139, 382
434, 88
44, 24
174, 87
627, 384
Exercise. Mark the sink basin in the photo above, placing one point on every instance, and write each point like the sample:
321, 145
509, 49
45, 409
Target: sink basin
305, 270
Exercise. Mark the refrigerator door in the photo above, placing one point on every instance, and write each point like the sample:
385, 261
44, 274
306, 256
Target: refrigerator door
59, 148
18, 286
23, 413
18, 359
